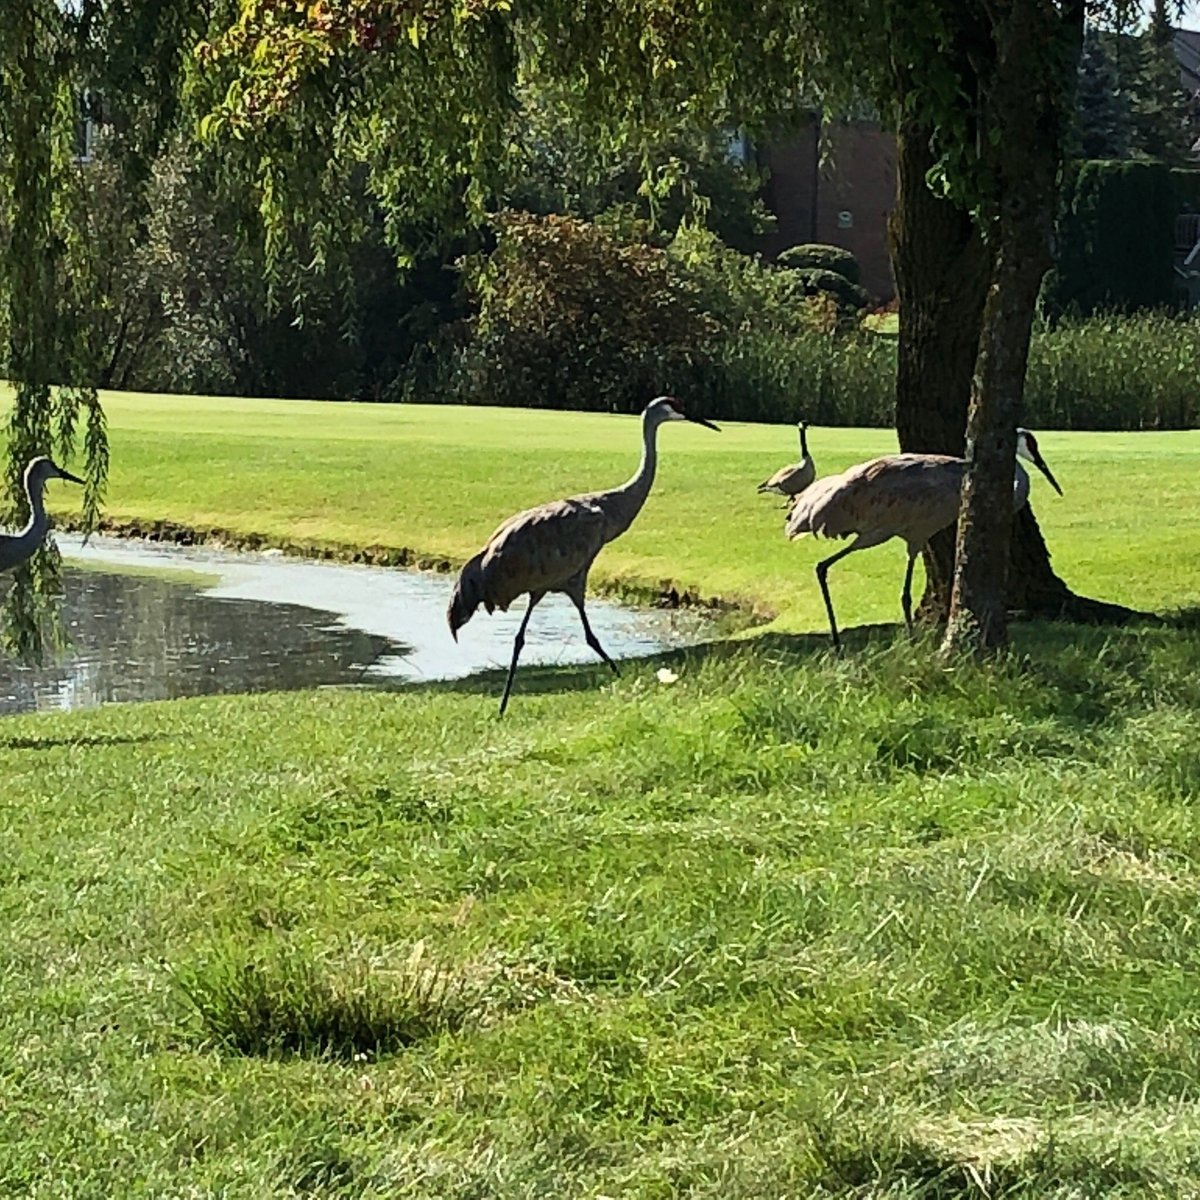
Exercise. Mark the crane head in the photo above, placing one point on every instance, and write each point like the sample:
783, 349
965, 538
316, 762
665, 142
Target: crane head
1027, 448
42, 468
670, 408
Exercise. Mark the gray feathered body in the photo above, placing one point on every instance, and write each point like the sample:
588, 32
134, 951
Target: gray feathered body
549, 548
910, 496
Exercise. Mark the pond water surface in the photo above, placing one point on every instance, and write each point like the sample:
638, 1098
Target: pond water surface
152, 622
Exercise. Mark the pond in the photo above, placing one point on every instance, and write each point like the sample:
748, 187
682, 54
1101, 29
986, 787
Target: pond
154, 622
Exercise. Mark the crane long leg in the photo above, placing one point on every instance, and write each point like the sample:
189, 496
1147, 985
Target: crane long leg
592, 640
518, 643
906, 595
864, 541
822, 570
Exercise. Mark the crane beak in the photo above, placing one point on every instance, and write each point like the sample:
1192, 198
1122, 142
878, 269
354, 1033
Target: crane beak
68, 476
706, 424
1040, 463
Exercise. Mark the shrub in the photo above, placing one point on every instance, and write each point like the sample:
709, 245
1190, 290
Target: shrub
740, 291
570, 316
814, 280
818, 256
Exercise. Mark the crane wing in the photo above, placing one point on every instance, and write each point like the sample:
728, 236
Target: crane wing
541, 549
899, 494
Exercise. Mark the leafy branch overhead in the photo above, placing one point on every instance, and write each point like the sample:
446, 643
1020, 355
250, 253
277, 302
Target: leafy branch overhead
419, 93
424, 95
55, 60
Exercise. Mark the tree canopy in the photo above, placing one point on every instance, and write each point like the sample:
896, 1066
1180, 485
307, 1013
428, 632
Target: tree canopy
411, 105
418, 92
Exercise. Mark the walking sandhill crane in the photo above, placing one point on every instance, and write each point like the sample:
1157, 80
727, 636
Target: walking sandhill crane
15, 548
551, 548
909, 496
795, 477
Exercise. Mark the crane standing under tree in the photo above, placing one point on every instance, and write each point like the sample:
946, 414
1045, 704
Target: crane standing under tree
551, 548
909, 496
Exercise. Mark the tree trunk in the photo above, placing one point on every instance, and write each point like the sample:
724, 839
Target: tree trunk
941, 267
1024, 107
978, 602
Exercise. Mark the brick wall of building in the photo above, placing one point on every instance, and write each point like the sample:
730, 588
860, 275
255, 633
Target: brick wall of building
813, 197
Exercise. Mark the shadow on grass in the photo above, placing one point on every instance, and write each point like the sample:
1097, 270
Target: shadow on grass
581, 677
1058, 654
82, 740
1184, 618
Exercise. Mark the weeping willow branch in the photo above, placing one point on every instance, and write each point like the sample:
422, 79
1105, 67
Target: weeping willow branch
36, 181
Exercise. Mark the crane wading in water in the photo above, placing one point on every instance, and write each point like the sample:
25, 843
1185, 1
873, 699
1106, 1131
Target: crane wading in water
551, 548
909, 496
795, 477
16, 548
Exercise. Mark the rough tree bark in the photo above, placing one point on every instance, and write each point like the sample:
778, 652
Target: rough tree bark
1023, 112
941, 268
978, 600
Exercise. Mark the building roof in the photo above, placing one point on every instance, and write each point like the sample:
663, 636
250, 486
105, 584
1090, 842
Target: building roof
1186, 43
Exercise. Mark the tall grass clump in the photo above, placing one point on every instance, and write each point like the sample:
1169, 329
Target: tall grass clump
574, 315
1115, 371
279, 999
826, 378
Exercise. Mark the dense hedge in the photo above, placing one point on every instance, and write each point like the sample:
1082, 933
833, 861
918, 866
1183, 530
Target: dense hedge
570, 316
1116, 237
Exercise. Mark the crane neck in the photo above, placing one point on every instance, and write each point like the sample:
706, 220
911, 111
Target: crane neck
626, 501
36, 526
643, 478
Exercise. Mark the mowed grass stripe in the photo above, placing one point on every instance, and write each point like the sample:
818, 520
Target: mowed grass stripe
790, 926
439, 479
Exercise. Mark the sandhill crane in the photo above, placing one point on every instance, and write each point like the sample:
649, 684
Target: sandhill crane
15, 548
795, 477
551, 548
909, 496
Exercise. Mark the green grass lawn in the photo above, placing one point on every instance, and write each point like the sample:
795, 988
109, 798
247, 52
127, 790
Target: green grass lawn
438, 480
790, 926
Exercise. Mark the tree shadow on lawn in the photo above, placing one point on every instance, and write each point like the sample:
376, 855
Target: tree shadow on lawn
1185, 618
82, 740
1058, 654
